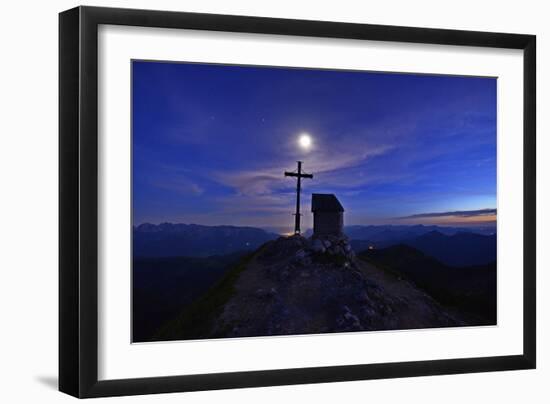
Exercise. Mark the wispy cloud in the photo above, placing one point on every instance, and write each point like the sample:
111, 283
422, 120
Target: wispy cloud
332, 166
457, 213
251, 182
480, 217
181, 185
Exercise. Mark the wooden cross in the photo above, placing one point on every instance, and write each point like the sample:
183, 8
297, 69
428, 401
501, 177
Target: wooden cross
298, 175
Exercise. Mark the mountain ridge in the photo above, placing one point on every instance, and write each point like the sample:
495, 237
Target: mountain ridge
294, 285
169, 239
460, 249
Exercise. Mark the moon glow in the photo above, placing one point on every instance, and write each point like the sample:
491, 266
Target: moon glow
304, 141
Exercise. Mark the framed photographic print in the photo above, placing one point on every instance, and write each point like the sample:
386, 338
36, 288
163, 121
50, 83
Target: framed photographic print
251, 201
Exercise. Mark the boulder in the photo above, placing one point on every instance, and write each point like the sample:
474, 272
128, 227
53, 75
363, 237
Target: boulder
318, 246
302, 257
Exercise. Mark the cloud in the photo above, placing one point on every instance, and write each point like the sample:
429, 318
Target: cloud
240, 210
251, 183
481, 217
180, 185
458, 213
343, 154
334, 164
251, 205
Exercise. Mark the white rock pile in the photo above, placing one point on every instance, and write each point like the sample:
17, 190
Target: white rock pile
331, 246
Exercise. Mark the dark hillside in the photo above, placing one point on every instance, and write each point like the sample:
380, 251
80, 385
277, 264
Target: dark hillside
161, 286
468, 289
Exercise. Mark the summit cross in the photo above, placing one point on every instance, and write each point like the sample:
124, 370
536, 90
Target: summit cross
299, 175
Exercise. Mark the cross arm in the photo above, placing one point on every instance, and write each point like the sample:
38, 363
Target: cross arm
302, 175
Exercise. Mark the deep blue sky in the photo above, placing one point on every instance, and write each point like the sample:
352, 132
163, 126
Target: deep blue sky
211, 142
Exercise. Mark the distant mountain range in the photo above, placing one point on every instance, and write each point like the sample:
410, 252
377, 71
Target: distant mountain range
454, 246
170, 240
459, 250
394, 233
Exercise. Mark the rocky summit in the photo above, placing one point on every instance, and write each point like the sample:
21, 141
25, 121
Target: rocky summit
295, 285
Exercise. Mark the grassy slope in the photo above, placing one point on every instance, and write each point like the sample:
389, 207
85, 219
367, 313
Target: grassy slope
196, 321
162, 286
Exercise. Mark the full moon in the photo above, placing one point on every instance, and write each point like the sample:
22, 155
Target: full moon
304, 141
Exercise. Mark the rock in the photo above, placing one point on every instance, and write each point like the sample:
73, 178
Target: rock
297, 240
368, 311
318, 246
352, 319
302, 257
261, 293
357, 274
264, 293
362, 297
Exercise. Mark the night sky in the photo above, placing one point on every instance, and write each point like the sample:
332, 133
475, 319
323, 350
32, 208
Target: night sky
211, 143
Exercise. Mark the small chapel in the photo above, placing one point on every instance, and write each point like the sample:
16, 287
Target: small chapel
328, 215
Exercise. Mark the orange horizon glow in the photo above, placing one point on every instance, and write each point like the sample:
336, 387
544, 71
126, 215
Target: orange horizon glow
453, 220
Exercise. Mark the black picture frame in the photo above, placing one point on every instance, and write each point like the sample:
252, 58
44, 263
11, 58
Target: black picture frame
78, 201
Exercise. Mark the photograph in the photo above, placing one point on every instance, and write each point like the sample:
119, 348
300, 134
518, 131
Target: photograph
270, 201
